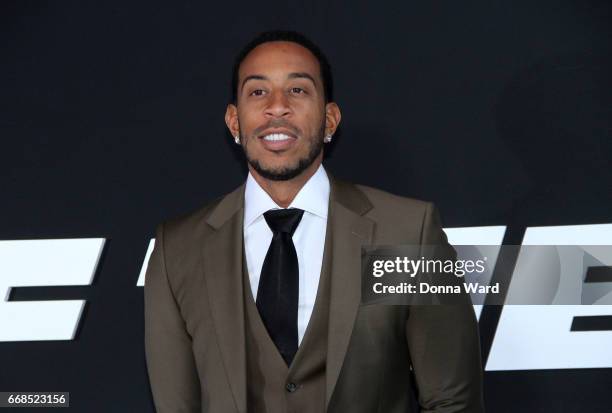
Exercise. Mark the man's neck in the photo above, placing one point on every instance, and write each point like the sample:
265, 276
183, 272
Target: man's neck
284, 192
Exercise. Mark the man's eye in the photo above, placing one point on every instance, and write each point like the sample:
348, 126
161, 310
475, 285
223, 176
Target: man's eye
297, 90
257, 92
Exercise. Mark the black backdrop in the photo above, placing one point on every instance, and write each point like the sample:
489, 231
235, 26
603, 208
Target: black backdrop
111, 120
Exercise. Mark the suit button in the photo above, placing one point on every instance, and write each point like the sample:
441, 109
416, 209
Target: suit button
291, 387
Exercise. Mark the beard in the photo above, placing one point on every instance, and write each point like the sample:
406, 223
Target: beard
290, 171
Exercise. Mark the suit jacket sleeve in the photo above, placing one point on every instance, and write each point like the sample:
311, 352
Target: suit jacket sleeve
444, 345
170, 363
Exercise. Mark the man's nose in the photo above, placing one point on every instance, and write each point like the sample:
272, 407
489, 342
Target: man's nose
278, 105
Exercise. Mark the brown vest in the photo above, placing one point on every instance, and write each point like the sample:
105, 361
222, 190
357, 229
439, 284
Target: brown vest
272, 387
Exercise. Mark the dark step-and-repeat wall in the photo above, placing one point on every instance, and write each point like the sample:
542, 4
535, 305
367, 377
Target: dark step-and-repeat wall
111, 121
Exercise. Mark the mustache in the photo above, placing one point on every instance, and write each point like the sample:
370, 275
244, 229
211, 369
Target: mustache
277, 123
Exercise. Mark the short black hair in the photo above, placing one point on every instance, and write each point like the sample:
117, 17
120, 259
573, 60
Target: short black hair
285, 36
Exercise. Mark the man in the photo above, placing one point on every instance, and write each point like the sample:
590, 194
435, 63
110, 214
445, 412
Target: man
252, 303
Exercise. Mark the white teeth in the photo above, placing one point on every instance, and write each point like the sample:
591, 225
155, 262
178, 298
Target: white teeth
277, 137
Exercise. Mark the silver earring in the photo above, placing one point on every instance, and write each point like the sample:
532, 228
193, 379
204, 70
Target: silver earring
327, 138
237, 139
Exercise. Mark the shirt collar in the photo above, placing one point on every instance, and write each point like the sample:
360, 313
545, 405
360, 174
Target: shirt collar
313, 197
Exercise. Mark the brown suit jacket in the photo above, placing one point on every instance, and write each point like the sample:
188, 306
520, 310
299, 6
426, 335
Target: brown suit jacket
376, 355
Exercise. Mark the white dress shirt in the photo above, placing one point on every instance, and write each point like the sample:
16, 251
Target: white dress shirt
308, 238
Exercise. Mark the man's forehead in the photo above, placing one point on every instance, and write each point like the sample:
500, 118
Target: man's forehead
279, 56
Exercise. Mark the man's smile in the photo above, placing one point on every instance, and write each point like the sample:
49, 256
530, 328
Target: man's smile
277, 141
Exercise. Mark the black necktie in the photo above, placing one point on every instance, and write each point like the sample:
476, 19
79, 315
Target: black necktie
278, 290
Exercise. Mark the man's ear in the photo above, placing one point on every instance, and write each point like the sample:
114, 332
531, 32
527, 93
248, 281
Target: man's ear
332, 118
231, 119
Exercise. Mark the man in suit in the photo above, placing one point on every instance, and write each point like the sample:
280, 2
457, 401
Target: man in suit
252, 303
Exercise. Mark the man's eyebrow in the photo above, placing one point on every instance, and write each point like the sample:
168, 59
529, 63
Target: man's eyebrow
252, 77
303, 75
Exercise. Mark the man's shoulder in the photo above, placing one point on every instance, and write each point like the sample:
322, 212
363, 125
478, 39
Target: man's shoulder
399, 219
385, 200
392, 212
194, 220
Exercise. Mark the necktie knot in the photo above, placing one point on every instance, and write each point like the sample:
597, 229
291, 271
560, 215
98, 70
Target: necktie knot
284, 220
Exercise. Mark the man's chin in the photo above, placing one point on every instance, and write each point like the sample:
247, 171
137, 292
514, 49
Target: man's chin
285, 172
279, 173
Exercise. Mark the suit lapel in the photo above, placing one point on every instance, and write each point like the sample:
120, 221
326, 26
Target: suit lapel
349, 231
222, 260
